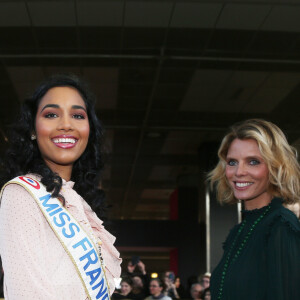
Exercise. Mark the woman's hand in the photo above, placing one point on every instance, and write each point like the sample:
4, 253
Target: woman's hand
142, 267
130, 267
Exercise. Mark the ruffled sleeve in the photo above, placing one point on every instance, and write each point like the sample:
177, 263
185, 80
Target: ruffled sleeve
110, 254
283, 258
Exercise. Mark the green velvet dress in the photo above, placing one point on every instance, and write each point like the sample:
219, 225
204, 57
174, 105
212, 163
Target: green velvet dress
261, 259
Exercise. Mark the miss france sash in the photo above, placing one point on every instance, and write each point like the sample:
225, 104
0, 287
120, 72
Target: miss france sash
79, 246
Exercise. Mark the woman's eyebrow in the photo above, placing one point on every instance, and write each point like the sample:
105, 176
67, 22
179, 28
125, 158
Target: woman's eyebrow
78, 107
57, 106
246, 157
50, 105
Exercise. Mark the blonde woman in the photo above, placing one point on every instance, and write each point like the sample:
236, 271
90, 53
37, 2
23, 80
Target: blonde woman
261, 257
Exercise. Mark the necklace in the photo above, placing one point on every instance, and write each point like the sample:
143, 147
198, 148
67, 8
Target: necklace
230, 258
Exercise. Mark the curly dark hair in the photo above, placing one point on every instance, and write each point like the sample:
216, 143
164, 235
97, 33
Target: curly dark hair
23, 155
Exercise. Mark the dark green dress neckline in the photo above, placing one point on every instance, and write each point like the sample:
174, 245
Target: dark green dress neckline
267, 266
254, 213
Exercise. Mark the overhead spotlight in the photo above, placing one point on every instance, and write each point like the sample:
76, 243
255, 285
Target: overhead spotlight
154, 275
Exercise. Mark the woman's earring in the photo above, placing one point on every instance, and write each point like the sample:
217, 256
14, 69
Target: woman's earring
33, 137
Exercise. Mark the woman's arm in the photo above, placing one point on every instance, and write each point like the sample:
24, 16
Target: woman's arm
23, 247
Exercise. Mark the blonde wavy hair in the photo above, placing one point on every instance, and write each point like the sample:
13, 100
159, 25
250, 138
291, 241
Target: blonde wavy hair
280, 157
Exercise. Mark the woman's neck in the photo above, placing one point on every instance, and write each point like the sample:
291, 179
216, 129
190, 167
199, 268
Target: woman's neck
64, 172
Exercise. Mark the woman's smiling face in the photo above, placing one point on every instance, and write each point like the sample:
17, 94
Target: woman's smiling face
62, 127
247, 173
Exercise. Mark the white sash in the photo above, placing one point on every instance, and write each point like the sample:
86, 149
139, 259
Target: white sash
79, 246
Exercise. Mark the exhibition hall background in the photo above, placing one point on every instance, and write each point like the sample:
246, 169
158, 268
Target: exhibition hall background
170, 77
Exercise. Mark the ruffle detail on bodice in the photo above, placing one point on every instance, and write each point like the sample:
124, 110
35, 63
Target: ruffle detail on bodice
111, 255
83, 213
69, 184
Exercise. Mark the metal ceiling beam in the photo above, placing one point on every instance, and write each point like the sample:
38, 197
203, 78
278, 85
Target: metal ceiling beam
141, 138
184, 128
159, 159
144, 126
109, 184
156, 57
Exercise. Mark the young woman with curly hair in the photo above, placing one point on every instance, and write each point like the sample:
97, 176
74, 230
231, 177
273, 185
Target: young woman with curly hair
55, 246
261, 257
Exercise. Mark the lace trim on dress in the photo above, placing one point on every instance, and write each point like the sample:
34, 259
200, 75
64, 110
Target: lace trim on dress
274, 203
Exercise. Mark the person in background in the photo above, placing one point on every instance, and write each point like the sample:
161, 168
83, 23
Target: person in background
206, 294
196, 291
139, 289
136, 269
169, 280
126, 290
180, 288
261, 257
157, 288
190, 281
205, 280
295, 208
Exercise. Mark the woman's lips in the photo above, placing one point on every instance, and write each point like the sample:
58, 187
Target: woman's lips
242, 185
64, 142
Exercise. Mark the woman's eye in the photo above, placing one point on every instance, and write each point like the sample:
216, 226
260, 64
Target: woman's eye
232, 163
51, 115
78, 116
254, 162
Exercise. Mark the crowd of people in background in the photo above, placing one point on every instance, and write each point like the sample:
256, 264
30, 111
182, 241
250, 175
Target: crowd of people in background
137, 284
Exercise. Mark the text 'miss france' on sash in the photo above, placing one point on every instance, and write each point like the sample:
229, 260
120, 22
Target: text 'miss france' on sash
79, 246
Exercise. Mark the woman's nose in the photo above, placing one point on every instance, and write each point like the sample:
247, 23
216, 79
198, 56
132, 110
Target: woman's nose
65, 123
240, 169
